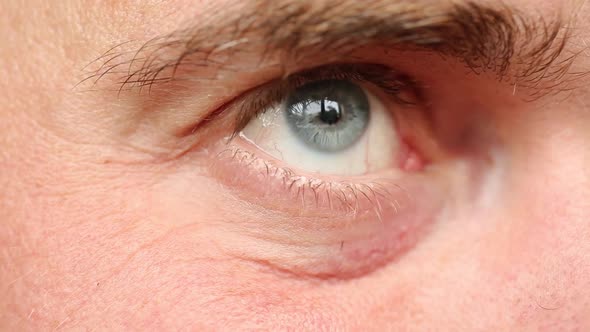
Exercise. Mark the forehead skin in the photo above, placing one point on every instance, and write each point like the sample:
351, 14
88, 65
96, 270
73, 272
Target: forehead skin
89, 243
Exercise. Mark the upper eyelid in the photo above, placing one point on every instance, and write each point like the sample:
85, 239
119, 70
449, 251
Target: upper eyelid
385, 77
389, 79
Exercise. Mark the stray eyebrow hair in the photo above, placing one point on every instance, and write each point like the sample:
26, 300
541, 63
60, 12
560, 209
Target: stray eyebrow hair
486, 38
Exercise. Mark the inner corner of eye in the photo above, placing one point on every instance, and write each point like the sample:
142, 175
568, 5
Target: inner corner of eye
332, 127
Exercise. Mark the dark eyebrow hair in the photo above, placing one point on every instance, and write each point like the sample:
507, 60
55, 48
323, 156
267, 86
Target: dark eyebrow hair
497, 38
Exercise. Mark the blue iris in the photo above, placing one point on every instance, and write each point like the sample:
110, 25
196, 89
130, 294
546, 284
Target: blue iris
328, 115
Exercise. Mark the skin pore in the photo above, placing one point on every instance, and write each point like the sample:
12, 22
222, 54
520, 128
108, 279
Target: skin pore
124, 205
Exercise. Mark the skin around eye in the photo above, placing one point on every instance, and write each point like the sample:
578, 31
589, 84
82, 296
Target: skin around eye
327, 192
328, 127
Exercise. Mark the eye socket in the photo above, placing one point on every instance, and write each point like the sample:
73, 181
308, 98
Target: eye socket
329, 151
331, 127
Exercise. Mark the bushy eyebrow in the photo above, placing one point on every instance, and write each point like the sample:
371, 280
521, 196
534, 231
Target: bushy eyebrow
493, 38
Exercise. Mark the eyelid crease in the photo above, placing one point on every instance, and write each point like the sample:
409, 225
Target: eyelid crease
384, 77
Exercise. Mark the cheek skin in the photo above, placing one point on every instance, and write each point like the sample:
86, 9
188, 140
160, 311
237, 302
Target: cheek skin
126, 258
131, 250
87, 245
548, 238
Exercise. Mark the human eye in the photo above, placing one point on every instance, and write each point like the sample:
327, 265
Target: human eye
332, 123
338, 153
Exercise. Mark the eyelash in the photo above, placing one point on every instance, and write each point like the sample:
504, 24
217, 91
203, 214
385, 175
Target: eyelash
346, 198
393, 83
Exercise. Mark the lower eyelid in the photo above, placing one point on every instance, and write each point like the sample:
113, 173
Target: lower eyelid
378, 216
319, 197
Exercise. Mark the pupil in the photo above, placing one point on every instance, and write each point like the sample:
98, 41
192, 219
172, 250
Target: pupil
330, 111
